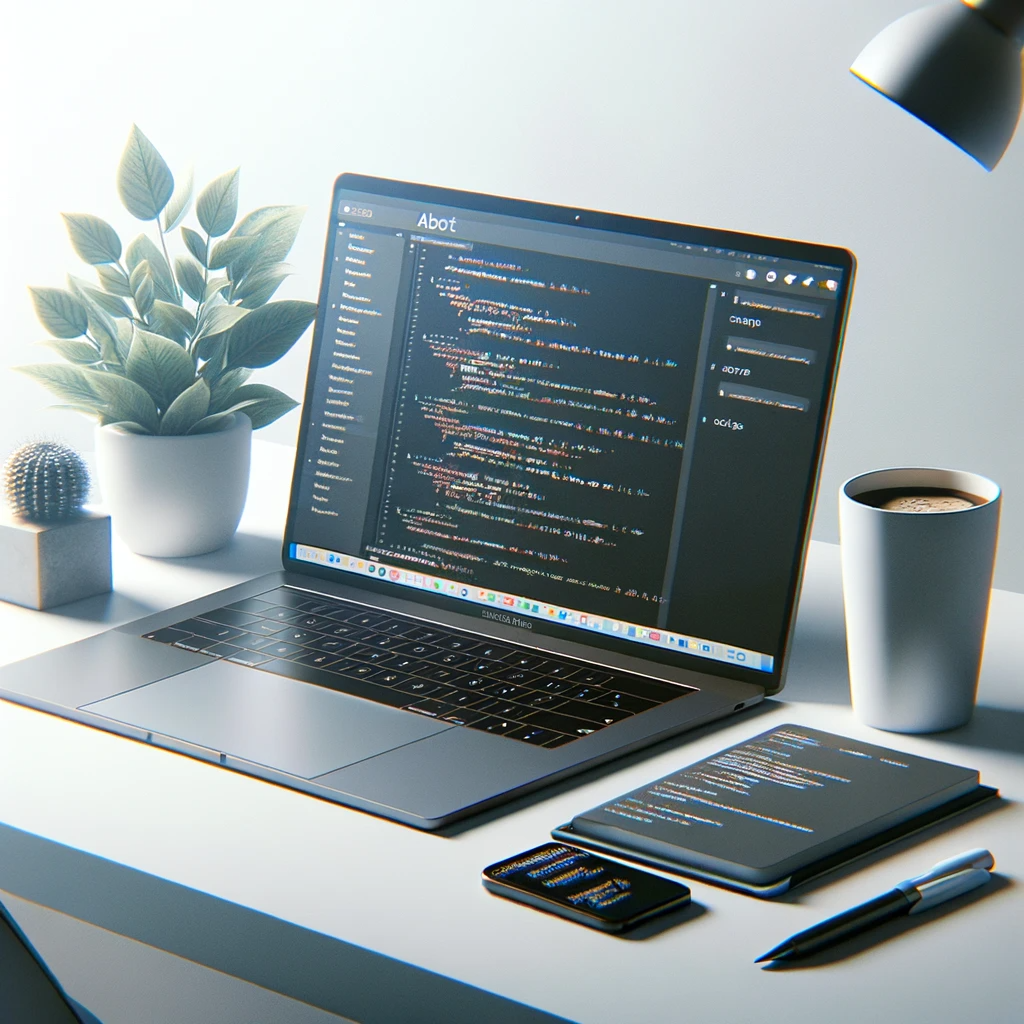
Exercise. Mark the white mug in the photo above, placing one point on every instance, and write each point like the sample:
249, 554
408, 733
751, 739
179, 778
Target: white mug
916, 589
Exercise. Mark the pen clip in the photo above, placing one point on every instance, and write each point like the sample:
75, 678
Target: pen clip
948, 887
971, 859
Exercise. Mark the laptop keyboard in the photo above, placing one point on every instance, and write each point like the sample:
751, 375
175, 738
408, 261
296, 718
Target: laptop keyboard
420, 667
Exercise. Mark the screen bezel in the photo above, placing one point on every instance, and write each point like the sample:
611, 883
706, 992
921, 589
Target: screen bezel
789, 249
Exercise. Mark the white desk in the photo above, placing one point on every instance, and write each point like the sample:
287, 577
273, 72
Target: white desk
417, 897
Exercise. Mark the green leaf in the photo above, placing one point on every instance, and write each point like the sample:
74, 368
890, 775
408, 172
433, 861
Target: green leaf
142, 286
93, 412
144, 181
187, 409
124, 399
125, 333
110, 304
179, 202
259, 285
216, 285
223, 388
190, 277
81, 353
70, 384
268, 332
196, 245
276, 228
218, 203
217, 420
143, 248
228, 250
113, 280
160, 366
60, 312
268, 404
93, 239
217, 319
172, 321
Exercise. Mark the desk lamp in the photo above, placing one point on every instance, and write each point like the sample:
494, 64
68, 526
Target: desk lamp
957, 67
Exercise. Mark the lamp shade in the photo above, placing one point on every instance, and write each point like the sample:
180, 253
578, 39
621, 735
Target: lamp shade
955, 69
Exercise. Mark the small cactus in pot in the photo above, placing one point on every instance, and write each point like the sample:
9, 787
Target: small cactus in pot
46, 482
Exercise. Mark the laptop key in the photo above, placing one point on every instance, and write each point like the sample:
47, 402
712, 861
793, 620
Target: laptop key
365, 618
543, 700
331, 680
293, 635
278, 649
440, 674
191, 643
416, 649
331, 644
248, 658
593, 712
562, 723
370, 655
167, 635
210, 630
517, 675
219, 650
472, 682
467, 699
319, 622
532, 734
423, 687
463, 717
458, 643
502, 709
590, 675
523, 660
425, 635
318, 659
585, 692
268, 627
230, 617
431, 708
495, 652
493, 725
552, 685
453, 659
279, 614
507, 691
624, 701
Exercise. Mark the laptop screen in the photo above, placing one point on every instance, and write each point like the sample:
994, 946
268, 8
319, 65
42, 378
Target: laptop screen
566, 421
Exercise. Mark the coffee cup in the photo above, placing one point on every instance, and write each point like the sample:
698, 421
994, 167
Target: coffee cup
918, 551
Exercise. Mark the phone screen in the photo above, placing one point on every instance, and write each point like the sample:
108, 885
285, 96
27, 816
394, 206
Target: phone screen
584, 887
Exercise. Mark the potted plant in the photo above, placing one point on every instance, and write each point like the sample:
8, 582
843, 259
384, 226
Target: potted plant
159, 352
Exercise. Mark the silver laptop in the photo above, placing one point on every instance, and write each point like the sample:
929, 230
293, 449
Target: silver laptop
550, 504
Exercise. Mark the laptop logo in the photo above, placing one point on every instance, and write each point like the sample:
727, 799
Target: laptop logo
509, 620
434, 223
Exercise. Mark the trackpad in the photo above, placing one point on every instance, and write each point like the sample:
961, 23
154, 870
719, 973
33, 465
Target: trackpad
299, 728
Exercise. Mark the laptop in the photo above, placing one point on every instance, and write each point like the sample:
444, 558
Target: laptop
550, 505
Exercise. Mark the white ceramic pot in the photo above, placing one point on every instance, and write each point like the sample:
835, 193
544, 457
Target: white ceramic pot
175, 496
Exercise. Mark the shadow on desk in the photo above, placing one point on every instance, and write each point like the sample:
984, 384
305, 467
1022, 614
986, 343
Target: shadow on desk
327, 973
891, 930
247, 553
991, 729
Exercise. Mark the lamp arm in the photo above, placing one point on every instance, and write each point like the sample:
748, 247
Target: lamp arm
1005, 15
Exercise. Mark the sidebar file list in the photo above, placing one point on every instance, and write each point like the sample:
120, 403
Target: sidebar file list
347, 395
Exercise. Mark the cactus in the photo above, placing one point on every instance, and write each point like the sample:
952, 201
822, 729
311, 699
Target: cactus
46, 482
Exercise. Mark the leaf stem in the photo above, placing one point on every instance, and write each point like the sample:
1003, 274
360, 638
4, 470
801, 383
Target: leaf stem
170, 269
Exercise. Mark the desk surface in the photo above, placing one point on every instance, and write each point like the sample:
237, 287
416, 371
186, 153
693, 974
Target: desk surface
417, 897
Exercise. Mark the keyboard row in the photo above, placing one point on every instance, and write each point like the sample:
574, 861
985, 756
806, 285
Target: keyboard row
422, 668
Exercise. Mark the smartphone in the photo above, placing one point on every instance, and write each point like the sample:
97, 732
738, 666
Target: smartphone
584, 887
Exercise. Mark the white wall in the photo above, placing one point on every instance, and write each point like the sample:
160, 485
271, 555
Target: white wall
735, 113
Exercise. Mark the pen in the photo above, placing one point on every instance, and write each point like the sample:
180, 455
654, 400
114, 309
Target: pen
947, 879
